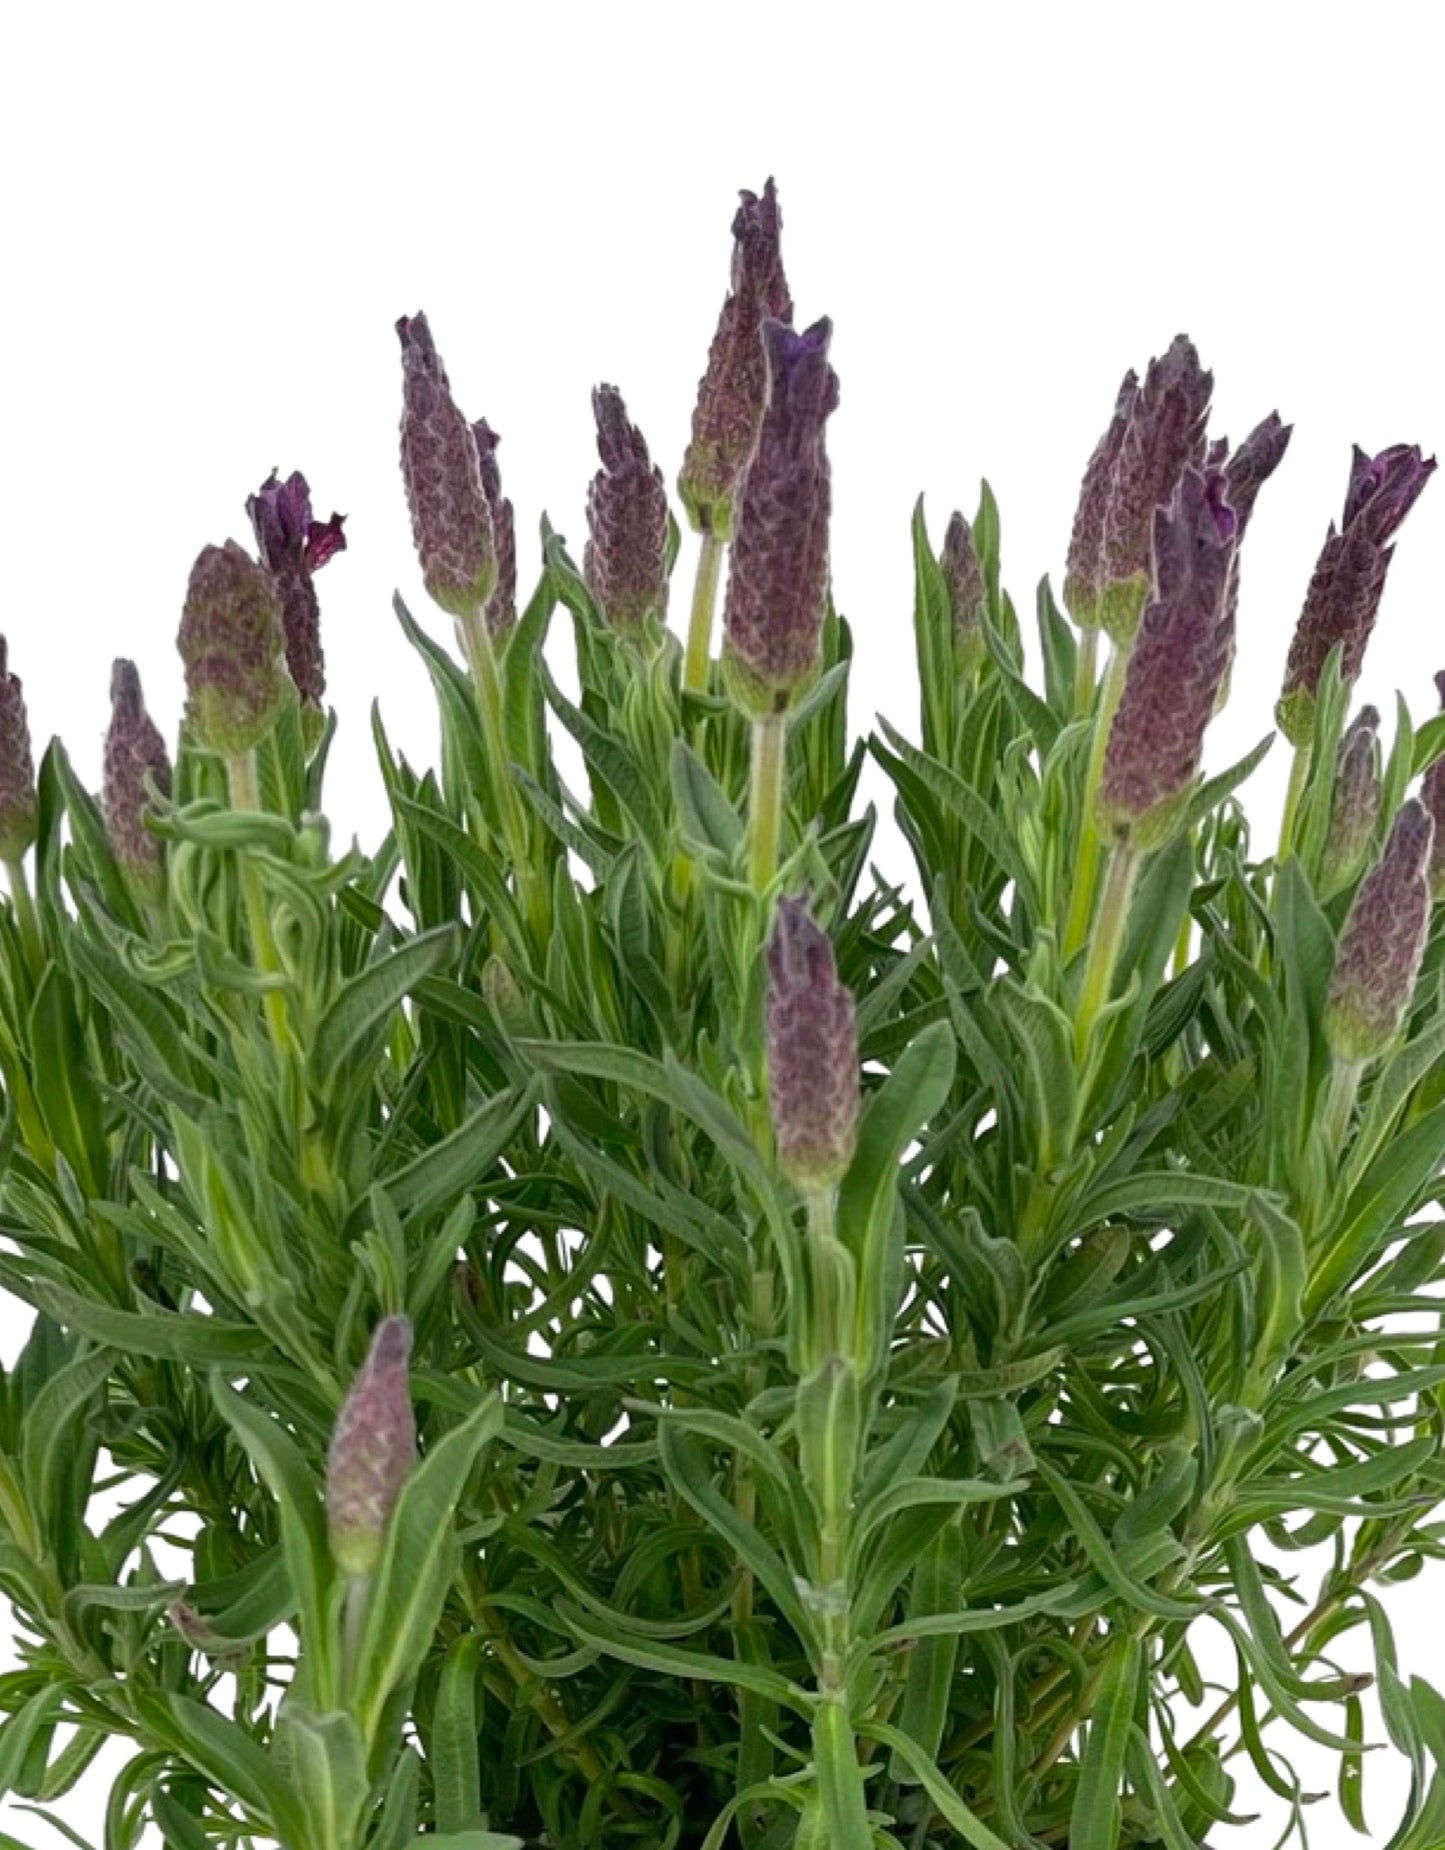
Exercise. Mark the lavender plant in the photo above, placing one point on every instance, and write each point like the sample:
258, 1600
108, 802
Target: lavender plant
609, 1320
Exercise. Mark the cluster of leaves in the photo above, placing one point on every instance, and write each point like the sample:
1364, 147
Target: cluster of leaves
1124, 1304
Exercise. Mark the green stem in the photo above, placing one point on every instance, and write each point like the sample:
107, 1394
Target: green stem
27, 919
699, 629
245, 792
1086, 664
1106, 943
1299, 773
481, 654
353, 1631
1086, 867
1344, 1083
765, 815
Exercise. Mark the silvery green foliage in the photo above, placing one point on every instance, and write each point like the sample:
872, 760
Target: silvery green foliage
872, 1500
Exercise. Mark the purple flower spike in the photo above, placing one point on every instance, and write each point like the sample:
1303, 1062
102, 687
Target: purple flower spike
501, 610
373, 1447
293, 548
1432, 795
967, 594
733, 391
137, 766
778, 585
625, 562
812, 1052
1344, 595
1163, 436
1354, 803
19, 809
1084, 574
1250, 466
1176, 667
233, 647
1382, 943
450, 520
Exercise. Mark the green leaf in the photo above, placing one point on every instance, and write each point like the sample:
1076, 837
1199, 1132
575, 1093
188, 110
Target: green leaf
49, 1444
671, 1660
367, 1002
22, 1729
1096, 1814
66, 1093
436, 1177
327, 1766
970, 1827
453, 1748
416, 1567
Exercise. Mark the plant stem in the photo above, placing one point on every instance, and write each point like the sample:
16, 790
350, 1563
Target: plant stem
1086, 866
699, 629
1344, 1083
1299, 772
27, 919
1106, 943
245, 793
765, 814
477, 646
1086, 664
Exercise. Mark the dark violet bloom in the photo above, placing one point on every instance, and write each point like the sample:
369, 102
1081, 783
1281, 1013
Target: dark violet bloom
1354, 803
733, 391
18, 806
293, 548
1163, 436
1175, 669
373, 1447
1084, 574
625, 562
501, 610
137, 769
450, 520
778, 584
1249, 467
1383, 940
812, 1052
964, 583
233, 647
1432, 795
1343, 599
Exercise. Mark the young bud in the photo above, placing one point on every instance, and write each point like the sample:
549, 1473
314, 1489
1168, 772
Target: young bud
812, 1052
1178, 660
967, 594
1382, 943
19, 809
1343, 599
1432, 795
501, 610
1084, 573
1354, 803
733, 391
1250, 466
373, 1447
778, 585
293, 548
450, 520
625, 561
136, 765
233, 647
1163, 436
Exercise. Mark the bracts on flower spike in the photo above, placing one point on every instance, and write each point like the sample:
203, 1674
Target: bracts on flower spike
963, 584
451, 522
625, 563
233, 647
1354, 804
137, 769
1432, 795
501, 608
373, 1448
812, 1049
293, 548
18, 803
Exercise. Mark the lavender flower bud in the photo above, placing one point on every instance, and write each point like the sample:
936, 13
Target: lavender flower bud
1178, 660
450, 520
778, 585
812, 1052
1164, 435
293, 548
733, 391
233, 647
1354, 803
19, 809
1250, 466
1383, 940
136, 762
373, 1447
967, 594
1432, 795
501, 610
1343, 599
625, 561
1084, 573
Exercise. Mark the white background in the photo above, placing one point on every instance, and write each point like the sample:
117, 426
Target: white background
214, 214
